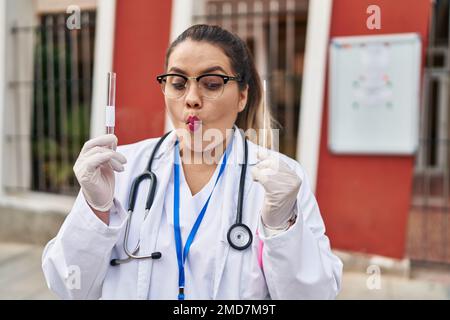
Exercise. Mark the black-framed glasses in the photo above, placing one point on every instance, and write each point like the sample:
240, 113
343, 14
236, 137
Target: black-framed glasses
210, 85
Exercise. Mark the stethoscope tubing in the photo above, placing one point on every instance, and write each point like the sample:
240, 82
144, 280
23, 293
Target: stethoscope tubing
149, 175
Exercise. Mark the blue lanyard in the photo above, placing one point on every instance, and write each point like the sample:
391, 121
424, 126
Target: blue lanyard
182, 254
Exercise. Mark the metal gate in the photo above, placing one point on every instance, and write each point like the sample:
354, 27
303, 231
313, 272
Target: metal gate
428, 234
47, 137
275, 32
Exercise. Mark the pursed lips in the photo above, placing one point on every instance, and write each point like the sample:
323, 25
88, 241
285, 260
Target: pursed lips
193, 123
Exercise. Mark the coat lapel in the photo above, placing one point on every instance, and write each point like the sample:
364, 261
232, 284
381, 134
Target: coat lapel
162, 166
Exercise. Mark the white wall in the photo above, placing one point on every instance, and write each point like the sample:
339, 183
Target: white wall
182, 18
103, 62
17, 107
313, 86
2, 84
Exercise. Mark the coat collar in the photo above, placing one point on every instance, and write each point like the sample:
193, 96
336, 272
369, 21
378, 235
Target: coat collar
150, 229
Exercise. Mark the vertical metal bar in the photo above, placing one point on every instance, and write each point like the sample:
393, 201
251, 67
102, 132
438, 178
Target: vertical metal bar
442, 121
423, 151
247, 16
234, 17
434, 12
273, 58
40, 148
86, 62
14, 136
27, 117
242, 20
34, 91
421, 154
445, 229
53, 167
259, 39
219, 14
432, 45
75, 95
427, 142
442, 149
227, 11
289, 79
423, 147
63, 94
212, 10
446, 187
427, 176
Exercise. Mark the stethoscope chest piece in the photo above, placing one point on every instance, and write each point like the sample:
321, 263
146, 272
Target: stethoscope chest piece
239, 236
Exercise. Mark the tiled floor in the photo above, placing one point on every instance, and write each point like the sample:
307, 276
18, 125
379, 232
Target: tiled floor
21, 275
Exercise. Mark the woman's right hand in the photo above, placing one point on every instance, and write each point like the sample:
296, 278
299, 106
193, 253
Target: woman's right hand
94, 170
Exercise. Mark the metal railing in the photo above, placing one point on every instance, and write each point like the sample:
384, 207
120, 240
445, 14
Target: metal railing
61, 87
275, 31
428, 225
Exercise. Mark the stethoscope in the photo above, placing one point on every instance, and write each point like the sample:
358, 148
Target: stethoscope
239, 235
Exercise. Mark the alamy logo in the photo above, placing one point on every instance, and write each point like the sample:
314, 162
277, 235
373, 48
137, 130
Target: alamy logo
373, 282
73, 280
74, 20
374, 20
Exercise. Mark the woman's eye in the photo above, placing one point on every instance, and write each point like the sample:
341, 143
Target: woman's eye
178, 86
212, 85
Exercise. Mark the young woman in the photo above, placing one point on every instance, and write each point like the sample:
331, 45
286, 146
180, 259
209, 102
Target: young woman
226, 218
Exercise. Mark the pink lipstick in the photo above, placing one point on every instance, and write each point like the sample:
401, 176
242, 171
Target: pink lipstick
193, 123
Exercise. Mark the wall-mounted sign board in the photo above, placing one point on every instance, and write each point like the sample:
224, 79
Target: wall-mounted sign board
374, 93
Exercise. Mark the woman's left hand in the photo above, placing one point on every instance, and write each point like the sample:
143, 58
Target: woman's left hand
281, 185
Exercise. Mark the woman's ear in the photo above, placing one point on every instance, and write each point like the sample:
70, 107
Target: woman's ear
243, 96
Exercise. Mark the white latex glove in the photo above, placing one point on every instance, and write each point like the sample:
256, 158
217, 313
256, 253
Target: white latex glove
94, 170
281, 185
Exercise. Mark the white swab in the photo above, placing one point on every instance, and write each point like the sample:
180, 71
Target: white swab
264, 114
111, 104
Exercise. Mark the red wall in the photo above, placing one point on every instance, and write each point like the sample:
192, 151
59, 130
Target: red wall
365, 200
141, 38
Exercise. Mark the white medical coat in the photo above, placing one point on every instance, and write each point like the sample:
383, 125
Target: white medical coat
294, 264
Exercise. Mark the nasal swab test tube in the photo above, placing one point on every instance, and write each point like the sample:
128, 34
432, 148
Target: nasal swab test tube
111, 104
264, 114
